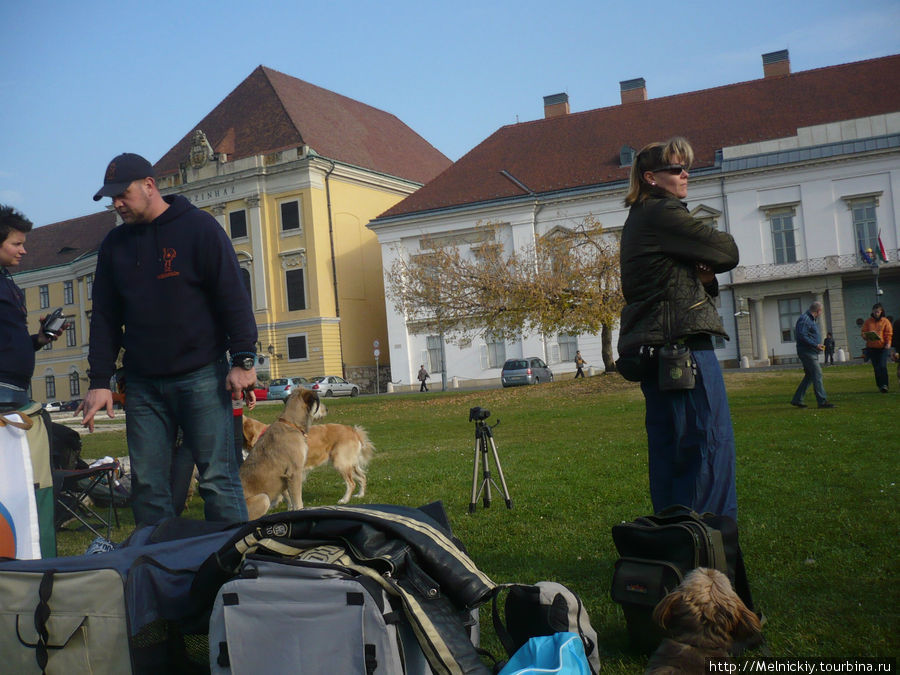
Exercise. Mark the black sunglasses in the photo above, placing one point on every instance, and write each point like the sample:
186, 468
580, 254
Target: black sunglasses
674, 169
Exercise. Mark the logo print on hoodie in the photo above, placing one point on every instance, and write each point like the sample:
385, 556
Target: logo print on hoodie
168, 257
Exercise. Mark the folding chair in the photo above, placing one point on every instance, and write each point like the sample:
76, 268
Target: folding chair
76, 485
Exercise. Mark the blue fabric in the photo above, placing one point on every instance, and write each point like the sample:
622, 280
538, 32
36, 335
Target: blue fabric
561, 653
157, 575
806, 334
176, 286
199, 404
812, 374
691, 442
16, 345
879, 359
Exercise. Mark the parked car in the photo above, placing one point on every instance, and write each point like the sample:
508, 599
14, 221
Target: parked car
332, 385
70, 406
531, 370
281, 388
262, 393
53, 406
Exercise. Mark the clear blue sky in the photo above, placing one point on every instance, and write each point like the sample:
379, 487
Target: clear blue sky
84, 81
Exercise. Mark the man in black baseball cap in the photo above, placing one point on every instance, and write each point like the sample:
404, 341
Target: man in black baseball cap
121, 172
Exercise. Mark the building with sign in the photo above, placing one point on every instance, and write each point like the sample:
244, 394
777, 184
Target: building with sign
293, 173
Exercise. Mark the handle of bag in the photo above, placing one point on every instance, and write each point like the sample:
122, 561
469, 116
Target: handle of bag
501, 630
25, 424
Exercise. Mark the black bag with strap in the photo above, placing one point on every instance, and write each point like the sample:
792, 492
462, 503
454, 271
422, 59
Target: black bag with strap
657, 552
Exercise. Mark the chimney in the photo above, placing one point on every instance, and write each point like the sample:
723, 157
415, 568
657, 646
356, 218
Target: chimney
776, 64
633, 90
556, 105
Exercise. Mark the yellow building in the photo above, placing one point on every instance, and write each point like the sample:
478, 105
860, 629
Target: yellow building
293, 173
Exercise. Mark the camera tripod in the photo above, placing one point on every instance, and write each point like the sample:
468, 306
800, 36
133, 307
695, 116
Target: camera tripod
483, 436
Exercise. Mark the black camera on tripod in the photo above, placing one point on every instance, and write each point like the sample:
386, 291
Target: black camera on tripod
478, 414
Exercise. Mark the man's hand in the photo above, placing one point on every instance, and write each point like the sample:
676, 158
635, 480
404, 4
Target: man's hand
240, 380
93, 401
705, 273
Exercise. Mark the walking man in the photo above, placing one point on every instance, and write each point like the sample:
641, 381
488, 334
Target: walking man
809, 344
579, 365
423, 375
168, 290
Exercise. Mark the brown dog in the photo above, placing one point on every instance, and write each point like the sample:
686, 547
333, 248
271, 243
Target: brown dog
703, 616
347, 448
276, 465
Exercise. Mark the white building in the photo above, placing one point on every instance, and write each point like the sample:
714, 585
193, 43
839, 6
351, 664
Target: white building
803, 169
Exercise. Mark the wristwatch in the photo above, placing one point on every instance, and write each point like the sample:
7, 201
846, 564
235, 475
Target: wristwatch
245, 362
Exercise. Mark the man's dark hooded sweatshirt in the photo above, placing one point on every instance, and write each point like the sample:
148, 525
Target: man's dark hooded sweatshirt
175, 286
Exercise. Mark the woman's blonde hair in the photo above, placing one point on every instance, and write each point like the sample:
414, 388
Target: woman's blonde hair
653, 156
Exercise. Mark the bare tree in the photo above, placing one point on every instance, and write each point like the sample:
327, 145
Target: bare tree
466, 284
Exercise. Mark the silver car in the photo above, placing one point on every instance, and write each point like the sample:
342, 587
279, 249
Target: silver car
281, 388
332, 385
530, 370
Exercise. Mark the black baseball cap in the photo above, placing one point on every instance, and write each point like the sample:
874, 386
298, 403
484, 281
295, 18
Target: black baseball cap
121, 172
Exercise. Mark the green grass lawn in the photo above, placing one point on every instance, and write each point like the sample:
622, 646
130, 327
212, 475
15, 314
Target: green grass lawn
817, 495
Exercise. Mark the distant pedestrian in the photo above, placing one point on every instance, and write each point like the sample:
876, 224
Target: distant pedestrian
423, 375
806, 334
829, 349
878, 333
579, 365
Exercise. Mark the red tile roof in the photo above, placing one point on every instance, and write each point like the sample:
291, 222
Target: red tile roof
271, 111
582, 149
64, 242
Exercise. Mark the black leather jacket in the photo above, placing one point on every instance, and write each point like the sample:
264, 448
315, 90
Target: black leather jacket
664, 298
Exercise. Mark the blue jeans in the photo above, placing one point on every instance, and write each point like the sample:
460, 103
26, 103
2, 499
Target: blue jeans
812, 374
199, 404
879, 359
691, 442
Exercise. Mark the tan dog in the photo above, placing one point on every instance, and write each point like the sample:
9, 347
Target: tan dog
275, 468
347, 448
703, 616
253, 429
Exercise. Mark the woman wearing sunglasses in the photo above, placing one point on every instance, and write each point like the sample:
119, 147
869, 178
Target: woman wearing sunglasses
668, 265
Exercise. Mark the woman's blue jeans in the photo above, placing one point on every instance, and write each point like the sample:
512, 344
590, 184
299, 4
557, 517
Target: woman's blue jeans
691, 442
199, 404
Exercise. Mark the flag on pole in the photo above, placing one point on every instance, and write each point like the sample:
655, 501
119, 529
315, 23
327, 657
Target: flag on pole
881, 251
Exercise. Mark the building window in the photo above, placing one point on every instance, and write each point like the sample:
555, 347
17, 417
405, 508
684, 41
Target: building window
89, 286
70, 335
68, 293
865, 224
74, 385
568, 345
788, 312
50, 384
433, 349
494, 353
45, 296
290, 216
245, 277
296, 345
296, 292
783, 242
237, 221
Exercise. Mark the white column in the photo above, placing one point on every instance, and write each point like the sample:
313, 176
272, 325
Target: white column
762, 346
257, 248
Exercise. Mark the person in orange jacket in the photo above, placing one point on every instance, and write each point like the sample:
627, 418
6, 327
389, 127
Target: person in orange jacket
878, 333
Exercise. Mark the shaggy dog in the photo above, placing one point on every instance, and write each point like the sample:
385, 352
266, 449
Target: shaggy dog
347, 448
702, 616
276, 465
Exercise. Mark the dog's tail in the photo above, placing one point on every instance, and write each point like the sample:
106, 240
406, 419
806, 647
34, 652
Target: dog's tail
366, 449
